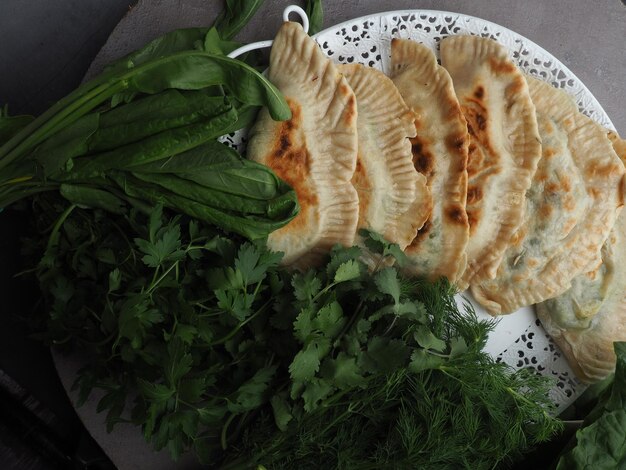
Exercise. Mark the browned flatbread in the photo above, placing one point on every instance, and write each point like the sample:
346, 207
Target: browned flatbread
571, 207
440, 154
504, 146
393, 197
591, 315
315, 151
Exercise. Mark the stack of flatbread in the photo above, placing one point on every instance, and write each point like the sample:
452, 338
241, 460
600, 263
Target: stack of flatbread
482, 175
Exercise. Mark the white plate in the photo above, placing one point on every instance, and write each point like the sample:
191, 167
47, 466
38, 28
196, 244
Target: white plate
518, 339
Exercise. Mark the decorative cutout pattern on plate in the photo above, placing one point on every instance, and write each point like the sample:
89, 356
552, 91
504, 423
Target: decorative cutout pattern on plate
367, 40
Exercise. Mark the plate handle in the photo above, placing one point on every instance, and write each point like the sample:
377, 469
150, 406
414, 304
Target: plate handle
263, 44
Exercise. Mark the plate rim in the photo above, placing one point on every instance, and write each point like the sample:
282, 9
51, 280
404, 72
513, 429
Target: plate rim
529, 42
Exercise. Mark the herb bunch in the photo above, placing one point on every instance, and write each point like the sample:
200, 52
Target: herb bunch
208, 344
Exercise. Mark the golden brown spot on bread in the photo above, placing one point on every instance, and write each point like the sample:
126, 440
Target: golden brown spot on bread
532, 263
545, 211
421, 235
473, 218
540, 175
291, 161
516, 87
456, 143
350, 112
566, 183
474, 194
363, 187
481, 121
456, 215
595, 193
549, 152
501, 66
569, 204
552, 187
479, 92
601, 171
423, 160
481, 158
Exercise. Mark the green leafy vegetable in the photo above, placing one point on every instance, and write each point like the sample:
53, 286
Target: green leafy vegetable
235, 16
315, 12
207, 344
600, 444
10, 125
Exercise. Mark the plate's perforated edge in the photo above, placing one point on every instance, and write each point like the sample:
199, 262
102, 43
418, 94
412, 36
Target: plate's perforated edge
367, 40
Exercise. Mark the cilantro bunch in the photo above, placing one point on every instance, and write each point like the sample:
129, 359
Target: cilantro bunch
208, 345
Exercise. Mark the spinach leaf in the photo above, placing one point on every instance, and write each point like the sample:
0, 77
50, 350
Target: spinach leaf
601, 443
214, 44
10, 125
315, 12
157, 147
252, 226
218, 166
235, 16
89, 196
170, 43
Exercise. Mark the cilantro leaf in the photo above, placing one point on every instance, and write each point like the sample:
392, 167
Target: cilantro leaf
426, 339
343, 371
376, 243
315, 391
421, 360
347, 271
303, 325
387, 282
307, 362
115, 280
340, 255
250, 395
282, 414
329, 320
384, 355
306, 286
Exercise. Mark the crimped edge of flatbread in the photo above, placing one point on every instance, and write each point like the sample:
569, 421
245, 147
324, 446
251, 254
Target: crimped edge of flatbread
380, 104
585, 249
331, 170
525, 145
591, 360
415, 59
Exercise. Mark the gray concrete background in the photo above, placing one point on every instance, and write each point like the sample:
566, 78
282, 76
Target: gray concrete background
46, 47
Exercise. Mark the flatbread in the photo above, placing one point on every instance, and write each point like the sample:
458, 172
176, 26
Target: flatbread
393, 197
571, 207
504, 146
439, 153
591, 315
315, 151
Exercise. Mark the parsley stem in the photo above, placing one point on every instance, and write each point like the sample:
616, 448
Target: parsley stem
57, 226
234, 331
225, 429
156, 283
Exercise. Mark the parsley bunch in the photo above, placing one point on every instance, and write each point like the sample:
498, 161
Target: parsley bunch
208, 344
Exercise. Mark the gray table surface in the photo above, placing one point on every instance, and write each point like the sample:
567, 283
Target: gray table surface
589, 37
